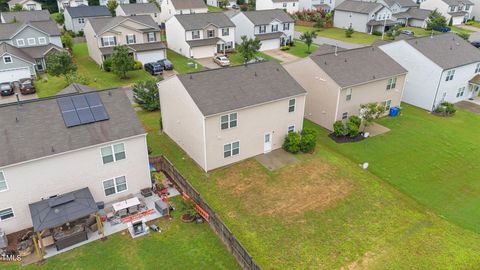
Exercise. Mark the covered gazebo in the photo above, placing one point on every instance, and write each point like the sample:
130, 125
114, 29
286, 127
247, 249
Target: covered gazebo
64, 217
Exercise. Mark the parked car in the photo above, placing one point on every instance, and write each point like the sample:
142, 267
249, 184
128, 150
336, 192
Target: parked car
234, 6
407, 32
221, 60
256, 59
6, 89
166, 64
442, 29
476, 43
26, 86
154, 68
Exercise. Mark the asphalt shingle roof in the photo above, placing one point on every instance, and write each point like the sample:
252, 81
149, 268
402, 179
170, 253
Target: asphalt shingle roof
220, 90
358, 6
188, 4
140, 8
101, 25
36, 129
7, 30
88, 11
262, 17
414, 13
201, 20
458, 2
358, 66
402, 3
26, 16
7, 48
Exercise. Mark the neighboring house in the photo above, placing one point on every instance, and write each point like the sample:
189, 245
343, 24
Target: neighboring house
217, 3
76, 17
25, 16
170, 8
441, 68
325, 5
365, 17
339, 82
273, 27
139, 33
290, 6
108, 155
139, 9
26, 4
457, 10
24, 47
62, 4
222, 116
415, 17
475, 11
200, 35
123, 2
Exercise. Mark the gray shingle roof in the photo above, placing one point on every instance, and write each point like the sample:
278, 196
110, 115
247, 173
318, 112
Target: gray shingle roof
76, 88
203, 42
132, 9
7, 30
325, 49
140, 47
358, 6
402, 3
446, 50
220, 90
101, 25
201, 20
274, 35
262, 17
358, 66
188, 4
36, 128
457, 2
414, 13
7, 48
40, 51
13, 2
26, 16
88, 11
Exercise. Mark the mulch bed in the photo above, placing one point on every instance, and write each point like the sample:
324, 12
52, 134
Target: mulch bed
346, 139
443, 114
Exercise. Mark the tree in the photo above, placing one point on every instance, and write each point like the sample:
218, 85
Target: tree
291, 143
308, 37
349, 32
145, 94
370, 112
61, 64
67, 41
450, 23
436, 20
122, 62
393, 32
249, 47
223, 3
112, 5
17, 7
318, 23
329, 19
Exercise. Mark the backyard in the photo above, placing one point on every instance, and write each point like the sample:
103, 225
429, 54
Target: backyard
339, 34
301, 50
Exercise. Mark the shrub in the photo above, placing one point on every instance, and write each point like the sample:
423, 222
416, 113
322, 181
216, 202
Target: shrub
292, 143
377, 33
355, 120
80, 33
137, 65
349, 32
352, 129
285, 48
308, 140
339, 128
107, 64
244, 7
446, 108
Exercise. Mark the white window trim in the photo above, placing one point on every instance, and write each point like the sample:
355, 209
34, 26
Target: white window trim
108, 37
134, 39
42, 40
31, 43
18, 42
113, 152
288, 129
231, 149
5, 179
7, 56
294, 105
228, 121
13, 212
348, 94
115, 185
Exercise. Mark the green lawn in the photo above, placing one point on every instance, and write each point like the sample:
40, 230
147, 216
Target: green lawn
91, 71
181, 63
214, 9
339, 34
419, 32
474, 23
178, 246
237, 59
326, 213
301, 50
457, 29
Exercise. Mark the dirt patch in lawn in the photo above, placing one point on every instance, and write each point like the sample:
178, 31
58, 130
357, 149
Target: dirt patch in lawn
293, 190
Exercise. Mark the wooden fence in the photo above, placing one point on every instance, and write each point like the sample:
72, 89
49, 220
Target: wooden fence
233, 245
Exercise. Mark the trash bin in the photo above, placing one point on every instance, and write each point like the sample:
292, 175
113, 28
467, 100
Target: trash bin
394, 111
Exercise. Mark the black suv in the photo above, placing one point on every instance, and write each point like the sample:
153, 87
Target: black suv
166, 64
154, 68
6, 89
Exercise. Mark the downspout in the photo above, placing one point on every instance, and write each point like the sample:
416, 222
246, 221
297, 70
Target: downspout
438, 87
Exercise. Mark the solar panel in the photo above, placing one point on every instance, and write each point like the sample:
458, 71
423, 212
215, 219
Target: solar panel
69, 114
96, 105
82, 109
85, 115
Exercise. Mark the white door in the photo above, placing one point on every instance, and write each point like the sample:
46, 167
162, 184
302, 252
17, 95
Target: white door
150, 56
14, 74
267, 142
270, 44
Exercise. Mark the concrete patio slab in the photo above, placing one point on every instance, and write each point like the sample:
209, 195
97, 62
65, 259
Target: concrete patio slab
376, 129
276, 159
469, 105
283, 56
207, 62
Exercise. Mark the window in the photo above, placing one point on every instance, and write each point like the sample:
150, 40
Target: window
293, 4
392, 82
348, 94
113, 153
477, 69
262, 29
114, 186
291, 129
3, 182
151, 37
460, 92
274, 27
229, 45
284, 5
31, 41
195, 34
225, 31
387, 104
130, 39
108, 41
6, 214
344, 115
450, 75
42, 40
228, 121
291, 105
210, 33
20, 42
231, 149
81, 20
286, 26
7, 59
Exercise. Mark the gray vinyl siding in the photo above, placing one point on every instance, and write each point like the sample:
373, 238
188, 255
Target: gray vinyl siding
17, 63
27, 33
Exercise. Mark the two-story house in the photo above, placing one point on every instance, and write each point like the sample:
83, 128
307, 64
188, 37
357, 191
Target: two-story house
123, 2
25, 16
149, 9
456, 10
290, 6
339, 81
170, 8
222, 116
201, 35
217, 3
75, 141
273, 27
440, 68
62, 4
76, 17
24, 46
365, 17
139, 33
26, 4
407, 12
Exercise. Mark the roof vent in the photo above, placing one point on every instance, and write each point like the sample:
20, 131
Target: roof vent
451, 48
255, 74
325, 63
109, 93
278, 69
191, 77
373, 48
373, 77
345, 60
53, 150
16, 119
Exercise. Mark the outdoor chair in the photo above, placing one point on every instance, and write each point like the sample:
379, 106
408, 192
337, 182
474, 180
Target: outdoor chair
122, 213
133, 209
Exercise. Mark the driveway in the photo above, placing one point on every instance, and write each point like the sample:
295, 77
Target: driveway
331, 41
284, 57
207, 62
13, 98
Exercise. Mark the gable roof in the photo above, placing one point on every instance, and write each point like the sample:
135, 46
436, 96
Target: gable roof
42, 120
414, 13
103, 24
457, 2
140, 8
446, 50
358, 6
197, 21
326, 48
401, 3
88, 11
188, 4
358, 66
13, 2
12, 50
263, 17
226, 89
26, 16
8, 30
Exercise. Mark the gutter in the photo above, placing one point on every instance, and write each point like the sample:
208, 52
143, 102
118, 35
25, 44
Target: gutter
436, 93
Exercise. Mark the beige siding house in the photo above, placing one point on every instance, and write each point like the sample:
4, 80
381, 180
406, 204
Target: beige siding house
223, 116
339, 82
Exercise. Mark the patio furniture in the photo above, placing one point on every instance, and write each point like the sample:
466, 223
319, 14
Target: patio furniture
122, 213
125, 204
100, 205
109, 212
146, 192
133, 210
161, 207
70, 237
48, 241
155, 228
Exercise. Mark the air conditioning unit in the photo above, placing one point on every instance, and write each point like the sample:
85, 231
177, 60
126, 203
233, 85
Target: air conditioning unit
3, 239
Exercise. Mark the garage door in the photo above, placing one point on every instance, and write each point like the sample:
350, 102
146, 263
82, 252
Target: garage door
270, 44
150, 56
14, 74
203, 52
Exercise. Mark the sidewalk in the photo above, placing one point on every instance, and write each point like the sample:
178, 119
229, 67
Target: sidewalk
331, 41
